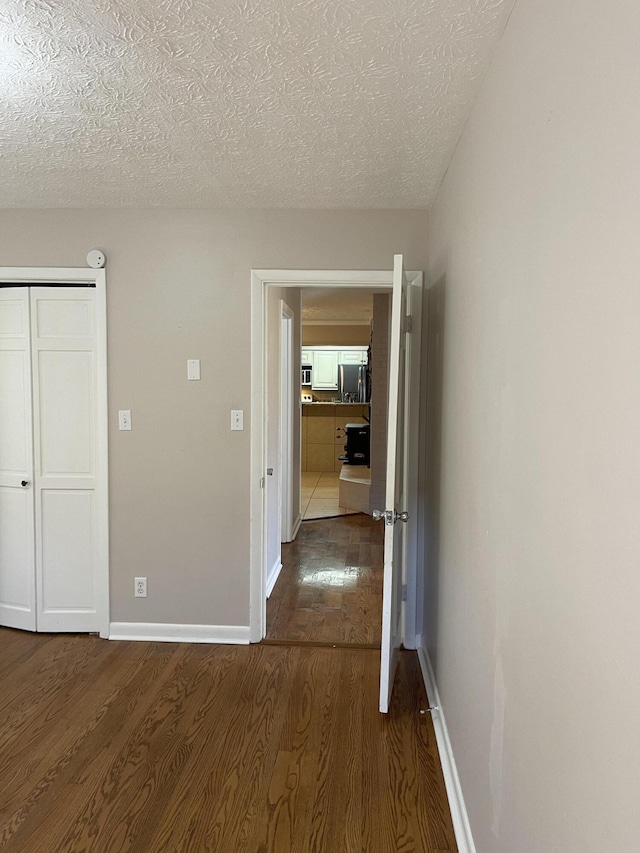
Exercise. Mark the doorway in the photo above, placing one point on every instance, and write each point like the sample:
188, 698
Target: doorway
264, 496
53, 459
329, 589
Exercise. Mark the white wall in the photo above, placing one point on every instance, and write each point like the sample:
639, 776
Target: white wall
535, 256
178, 287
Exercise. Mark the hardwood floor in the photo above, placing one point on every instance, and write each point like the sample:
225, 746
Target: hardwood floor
330, 586
167, 748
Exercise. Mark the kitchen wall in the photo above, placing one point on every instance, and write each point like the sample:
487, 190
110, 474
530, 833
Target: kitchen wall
332, 335
178, 287
532, 599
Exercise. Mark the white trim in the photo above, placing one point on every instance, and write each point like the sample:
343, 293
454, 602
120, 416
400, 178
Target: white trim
334, 347
412, 440
165, 632
51, 275
286, 467
327, 278
81, 275
459, 815
272, 577
296, 527
260, 280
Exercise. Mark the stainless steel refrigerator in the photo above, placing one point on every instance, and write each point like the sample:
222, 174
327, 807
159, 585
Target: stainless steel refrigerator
353, 383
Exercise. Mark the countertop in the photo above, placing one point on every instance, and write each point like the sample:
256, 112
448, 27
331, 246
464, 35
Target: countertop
329, 403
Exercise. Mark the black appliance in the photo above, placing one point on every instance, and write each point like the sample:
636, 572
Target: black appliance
357, 446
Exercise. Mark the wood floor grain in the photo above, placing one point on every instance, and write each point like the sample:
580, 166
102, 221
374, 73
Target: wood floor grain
330, 586
166, 748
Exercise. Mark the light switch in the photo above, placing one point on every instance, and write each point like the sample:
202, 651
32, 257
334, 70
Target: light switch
237, 419
193, 368
124, 419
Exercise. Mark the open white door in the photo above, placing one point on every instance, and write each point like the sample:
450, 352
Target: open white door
395, 509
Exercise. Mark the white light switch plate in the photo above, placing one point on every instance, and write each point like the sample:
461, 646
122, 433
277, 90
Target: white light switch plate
124, 419
237, 419
193, 368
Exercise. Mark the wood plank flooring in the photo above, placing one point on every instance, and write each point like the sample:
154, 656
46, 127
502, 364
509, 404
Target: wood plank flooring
166, 748
330, 586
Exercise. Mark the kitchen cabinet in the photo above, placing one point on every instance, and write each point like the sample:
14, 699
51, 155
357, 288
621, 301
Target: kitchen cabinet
358, 356
324, 361
325, 370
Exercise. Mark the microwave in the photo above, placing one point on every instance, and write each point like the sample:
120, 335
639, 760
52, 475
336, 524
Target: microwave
306, 374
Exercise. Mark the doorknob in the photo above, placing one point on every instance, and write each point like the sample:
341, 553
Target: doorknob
379, 514
389, 517
24, 482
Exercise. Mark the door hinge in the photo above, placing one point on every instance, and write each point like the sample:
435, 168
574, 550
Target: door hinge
262, 482
408, 324
404, 592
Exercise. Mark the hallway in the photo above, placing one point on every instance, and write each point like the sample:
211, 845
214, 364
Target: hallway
330, 586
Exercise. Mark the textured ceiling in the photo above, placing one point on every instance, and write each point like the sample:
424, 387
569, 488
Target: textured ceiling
245, 103
353, 304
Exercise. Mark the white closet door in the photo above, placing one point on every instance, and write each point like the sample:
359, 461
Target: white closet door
17, 590
65, 392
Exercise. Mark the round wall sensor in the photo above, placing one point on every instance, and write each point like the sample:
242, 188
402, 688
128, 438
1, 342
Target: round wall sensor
96, 259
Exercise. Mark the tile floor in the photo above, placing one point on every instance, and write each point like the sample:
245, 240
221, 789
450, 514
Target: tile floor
319, 495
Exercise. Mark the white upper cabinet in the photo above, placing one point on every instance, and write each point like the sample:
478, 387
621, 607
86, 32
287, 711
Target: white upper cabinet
352, 356
325, 370
324, 361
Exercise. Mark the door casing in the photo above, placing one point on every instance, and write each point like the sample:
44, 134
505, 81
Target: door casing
63, 277
286, 422
261, 279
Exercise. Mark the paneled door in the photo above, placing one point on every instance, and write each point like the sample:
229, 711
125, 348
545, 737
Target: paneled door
49, 556
17, 560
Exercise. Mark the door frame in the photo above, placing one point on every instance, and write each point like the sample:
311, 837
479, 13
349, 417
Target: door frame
261, 279
286, 422
63, 277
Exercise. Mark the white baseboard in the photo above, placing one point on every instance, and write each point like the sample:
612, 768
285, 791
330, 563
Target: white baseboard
272, 577
459, 815
296, 527
164, 632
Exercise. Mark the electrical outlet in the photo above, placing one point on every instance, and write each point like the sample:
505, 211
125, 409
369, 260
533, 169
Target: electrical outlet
140, 587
